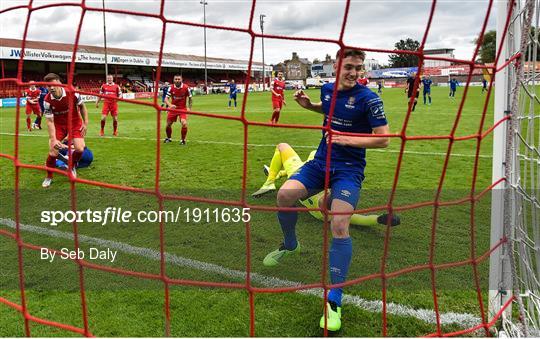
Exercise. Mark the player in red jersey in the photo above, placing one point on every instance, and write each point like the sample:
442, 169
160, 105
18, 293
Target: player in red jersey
32, 105
278, 99
177, 97
56, 104
363, 80
110, 105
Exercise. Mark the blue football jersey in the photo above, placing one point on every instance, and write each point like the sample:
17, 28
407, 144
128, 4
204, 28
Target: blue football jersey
357, 110
427, 84
232, 89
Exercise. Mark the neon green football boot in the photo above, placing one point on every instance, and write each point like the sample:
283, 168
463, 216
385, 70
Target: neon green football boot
334, 317
273, 258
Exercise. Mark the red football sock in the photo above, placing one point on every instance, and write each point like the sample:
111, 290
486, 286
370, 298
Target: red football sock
168, 130
115, 125
103, 124
51, 162
184, 132
275, 117
28, 123
76, 157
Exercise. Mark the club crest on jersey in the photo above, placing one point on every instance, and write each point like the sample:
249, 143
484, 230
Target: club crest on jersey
350, 103
327, 97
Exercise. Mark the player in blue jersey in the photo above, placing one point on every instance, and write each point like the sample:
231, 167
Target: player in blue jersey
164, 90
63, 158
484, 85
357, 110
426, 84
380, 84
41, 100
453, 86
232, 92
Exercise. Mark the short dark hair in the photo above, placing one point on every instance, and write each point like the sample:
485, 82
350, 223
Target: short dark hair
177, 75
347, 52
51, 77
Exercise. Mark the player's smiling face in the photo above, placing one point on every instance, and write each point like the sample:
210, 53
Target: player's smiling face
109, 79
351, 68
56, 90
280, 76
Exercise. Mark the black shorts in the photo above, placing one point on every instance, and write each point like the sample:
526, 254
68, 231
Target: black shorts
409, 94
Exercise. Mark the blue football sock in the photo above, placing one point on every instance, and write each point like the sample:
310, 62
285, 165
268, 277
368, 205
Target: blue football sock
340, 260
229, 103
287, 220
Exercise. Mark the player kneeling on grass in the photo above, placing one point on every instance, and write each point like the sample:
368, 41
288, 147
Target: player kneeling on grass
178, 97
287, 162
56, 113
110, 105
357, 110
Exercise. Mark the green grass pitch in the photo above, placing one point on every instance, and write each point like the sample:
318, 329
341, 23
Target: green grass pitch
210, 166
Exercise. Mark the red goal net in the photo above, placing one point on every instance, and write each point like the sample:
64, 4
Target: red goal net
400, 136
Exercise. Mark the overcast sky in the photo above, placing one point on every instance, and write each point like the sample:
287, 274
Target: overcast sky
371, 23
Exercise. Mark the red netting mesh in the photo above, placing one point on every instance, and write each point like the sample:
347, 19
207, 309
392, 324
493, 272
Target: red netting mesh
474, 260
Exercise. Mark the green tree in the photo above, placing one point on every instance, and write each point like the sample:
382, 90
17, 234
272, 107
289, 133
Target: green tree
404, 60
487, 49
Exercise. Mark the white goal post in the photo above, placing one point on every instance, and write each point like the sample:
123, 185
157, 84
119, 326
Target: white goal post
515, 213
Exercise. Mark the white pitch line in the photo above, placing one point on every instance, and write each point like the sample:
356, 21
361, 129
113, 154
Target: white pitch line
265, 145
465, 320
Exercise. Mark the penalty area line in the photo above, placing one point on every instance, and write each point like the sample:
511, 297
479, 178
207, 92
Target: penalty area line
313, 147
464, 320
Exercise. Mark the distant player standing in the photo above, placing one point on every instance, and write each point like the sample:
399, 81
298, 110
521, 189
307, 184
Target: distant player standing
278, 98
56, 114
32, 105
178, 97
232, 92
110, 105
484, 85
426, 84
164, 91
453, 87
44, 91
357, 110
409, 89
363, 80
379, 86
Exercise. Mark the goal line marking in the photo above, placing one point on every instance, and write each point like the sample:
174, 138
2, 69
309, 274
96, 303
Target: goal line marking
464, 320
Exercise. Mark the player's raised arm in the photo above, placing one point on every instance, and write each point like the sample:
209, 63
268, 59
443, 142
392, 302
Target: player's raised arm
303, 100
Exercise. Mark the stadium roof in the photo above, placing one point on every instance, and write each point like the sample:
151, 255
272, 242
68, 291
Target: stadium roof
60, 52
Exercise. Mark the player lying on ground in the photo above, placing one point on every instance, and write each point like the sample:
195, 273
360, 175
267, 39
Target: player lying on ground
287, 162
56, 114
357, 110
63, 157
32, 105
110, 105
178, 97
